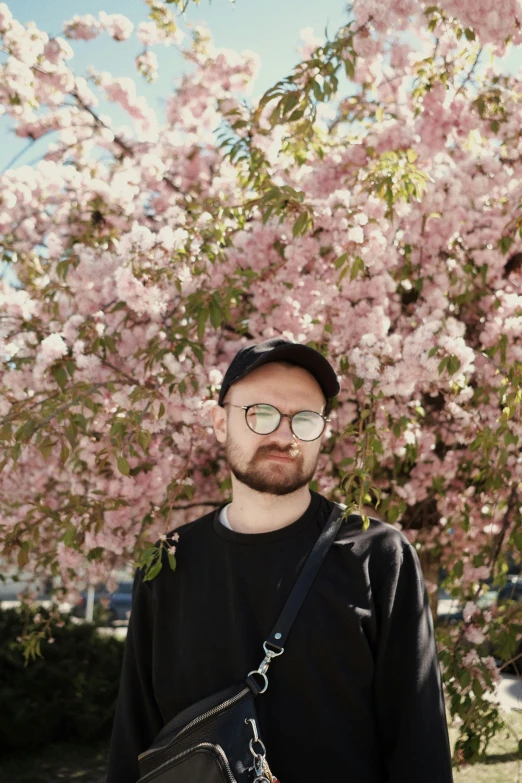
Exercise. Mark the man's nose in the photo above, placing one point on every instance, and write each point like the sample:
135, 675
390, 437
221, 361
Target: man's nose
284, 431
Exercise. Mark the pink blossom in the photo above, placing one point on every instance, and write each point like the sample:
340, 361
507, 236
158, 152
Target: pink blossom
147, 65
310, 42
355, 234
118, 26
149, 33
51, 349
215, 377
56, 50
6, 17
474, 634
172, 239
139, 298
470, 610
82, 27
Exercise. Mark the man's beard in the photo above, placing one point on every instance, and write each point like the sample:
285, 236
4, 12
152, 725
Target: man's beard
272, 478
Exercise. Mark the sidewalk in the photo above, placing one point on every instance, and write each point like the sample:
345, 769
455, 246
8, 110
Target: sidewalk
509, 693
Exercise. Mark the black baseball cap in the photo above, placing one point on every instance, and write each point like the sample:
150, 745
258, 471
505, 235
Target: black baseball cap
276, 349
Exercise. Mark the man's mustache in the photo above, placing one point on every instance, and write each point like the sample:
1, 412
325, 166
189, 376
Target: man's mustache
292, 451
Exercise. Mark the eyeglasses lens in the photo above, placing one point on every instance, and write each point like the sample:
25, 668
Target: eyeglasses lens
263, 419
308, 425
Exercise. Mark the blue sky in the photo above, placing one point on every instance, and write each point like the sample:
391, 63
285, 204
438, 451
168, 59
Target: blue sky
269, 27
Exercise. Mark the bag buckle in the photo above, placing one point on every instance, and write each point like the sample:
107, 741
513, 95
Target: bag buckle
260, 766
265, 663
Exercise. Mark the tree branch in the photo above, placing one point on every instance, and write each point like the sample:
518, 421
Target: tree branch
214, 503
18, 155
471, 71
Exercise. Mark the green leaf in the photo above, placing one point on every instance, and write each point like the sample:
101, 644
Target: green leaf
340, 261
300, 224
118, 428
149, 554
60, 376
198, 353
289, 101
144, 438
23, 557
296, 115
393, 514
6, 432
123, 466
25, 431
152, 570
453, 364
517, 539
477, 688
357, 266
505, 243
377, 446
349, 68
46, 447
201, 319
172, 561
458, 569
64, 453
215, 315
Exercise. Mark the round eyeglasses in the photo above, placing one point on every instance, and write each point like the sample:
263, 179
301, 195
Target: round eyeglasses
263, 419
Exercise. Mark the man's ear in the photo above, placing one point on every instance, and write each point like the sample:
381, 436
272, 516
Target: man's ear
219, 422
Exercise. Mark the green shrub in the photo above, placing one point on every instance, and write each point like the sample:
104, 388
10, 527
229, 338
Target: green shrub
69, 694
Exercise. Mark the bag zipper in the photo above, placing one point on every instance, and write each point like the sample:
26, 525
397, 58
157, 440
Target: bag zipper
186, 752
217, 708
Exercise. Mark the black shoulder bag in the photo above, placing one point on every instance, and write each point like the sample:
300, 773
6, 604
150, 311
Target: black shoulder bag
217, 740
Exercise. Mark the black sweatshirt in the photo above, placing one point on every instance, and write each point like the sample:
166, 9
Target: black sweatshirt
356, 696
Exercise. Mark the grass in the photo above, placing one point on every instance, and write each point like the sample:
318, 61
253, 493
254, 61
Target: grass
503, 764
87, 764
61, 762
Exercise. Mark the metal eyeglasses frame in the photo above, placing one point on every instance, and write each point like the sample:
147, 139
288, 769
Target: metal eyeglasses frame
282, 416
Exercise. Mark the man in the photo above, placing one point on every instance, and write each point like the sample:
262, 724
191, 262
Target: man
357, 695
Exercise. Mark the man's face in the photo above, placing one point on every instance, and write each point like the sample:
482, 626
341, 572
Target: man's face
277, 463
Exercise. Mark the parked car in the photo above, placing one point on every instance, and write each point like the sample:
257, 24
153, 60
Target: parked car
511, 591
449, 609
109, 608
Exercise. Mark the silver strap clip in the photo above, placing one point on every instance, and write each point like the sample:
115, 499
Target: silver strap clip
265, 663
260, 766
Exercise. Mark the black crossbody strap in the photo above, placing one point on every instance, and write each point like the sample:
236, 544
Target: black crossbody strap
257, 680
278, 636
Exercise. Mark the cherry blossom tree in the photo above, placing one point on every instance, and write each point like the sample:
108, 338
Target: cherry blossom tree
368, 204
